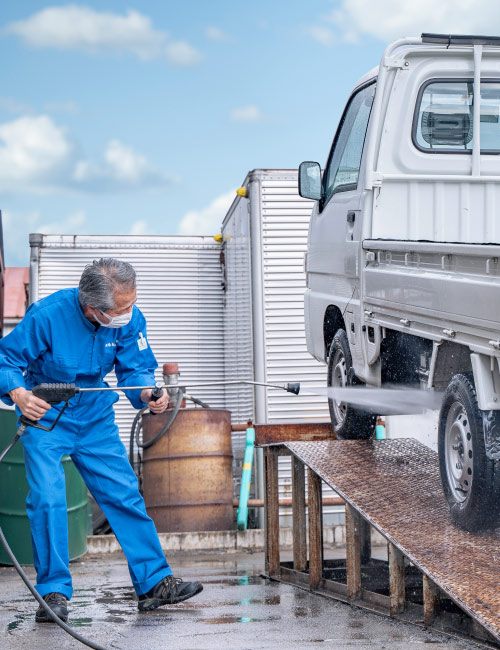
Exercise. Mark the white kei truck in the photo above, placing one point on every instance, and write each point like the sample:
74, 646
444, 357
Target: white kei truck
403, 273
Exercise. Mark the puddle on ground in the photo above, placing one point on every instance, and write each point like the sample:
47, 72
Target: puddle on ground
300, 612
80, 622
355, 624
224, 620
241, 581
20, 618
108, 597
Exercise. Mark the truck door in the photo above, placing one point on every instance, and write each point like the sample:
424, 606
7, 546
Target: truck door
336, 228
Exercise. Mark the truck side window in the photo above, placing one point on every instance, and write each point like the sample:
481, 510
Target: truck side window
343, 165
444, 117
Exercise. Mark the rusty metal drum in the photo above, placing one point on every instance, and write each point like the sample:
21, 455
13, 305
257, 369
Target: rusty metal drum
187, 473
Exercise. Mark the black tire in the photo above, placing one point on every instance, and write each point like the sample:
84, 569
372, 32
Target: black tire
348, 422
471, 481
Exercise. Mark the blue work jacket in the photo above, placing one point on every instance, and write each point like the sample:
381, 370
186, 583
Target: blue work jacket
56, 343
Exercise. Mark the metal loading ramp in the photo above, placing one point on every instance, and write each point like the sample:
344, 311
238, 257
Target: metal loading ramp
395, 486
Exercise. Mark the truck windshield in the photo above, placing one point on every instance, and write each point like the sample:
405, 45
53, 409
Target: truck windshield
444, 117
342, 169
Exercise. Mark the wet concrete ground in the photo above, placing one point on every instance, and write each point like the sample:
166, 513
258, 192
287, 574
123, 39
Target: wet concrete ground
238, 609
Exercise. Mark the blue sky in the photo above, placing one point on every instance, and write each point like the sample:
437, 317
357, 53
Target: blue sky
143, 118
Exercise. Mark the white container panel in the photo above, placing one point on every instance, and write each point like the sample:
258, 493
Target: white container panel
179, 292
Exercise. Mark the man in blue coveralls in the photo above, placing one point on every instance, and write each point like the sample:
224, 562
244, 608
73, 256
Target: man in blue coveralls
78, 336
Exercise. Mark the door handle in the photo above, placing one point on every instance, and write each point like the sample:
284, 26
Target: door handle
351, 217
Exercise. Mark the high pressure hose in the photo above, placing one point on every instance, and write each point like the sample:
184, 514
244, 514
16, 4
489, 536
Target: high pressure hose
165, 427
137, 424
26, 581
9, 446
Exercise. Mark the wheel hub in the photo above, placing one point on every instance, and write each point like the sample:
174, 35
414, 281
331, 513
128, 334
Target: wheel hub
459, 454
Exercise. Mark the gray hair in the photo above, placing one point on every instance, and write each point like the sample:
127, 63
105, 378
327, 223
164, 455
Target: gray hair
101, 279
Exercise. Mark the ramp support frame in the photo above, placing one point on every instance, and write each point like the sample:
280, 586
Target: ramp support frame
308, 571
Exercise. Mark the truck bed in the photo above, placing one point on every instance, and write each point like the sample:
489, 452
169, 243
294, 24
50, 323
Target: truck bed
435, 289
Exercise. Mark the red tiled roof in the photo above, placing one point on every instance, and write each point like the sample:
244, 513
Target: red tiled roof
16, 283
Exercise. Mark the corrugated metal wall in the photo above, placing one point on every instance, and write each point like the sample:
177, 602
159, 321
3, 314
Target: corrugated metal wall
179, 291
285, 221
238, 348
283, 218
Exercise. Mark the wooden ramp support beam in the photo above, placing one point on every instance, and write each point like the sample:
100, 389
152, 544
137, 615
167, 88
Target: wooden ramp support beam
315, 510
272, 520
365, 541
299, 515
396, 580
431, 600
353, 552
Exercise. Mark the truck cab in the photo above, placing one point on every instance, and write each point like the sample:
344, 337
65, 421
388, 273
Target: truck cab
402, 259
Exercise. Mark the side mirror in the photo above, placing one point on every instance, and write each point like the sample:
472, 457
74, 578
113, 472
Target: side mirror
310, 180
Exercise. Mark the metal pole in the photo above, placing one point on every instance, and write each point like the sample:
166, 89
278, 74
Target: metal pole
476, 119
259, 350
371, 157
98, 389
35, 243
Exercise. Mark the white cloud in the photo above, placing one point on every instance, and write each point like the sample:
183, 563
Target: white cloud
14, 106
37, 155
83, 28
207, 221
142, 227
355, 18
248, 113
181, 53
122, 168
17, 227
64, 107
323, 35
124, 163
33, 152
74, 27
216, 34
72, 225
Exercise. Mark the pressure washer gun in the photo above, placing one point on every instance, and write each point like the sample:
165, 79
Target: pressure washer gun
52, 394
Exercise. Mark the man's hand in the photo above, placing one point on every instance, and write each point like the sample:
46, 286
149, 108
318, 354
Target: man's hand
31, 406
161, 403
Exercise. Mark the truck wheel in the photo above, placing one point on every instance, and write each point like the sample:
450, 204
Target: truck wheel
348, 422
471, 481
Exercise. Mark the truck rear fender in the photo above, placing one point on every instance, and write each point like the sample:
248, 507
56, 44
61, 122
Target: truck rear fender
487, 381
448, 359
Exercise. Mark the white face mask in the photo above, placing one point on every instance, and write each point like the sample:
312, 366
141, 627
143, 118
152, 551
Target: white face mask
114, 321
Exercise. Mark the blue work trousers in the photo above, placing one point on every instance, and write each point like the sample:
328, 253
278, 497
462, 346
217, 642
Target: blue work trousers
100, 457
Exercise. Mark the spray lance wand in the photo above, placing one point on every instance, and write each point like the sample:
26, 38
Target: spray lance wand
60, 392
55, 393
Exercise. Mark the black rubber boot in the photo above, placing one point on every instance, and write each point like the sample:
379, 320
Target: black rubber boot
57, 603
168, 591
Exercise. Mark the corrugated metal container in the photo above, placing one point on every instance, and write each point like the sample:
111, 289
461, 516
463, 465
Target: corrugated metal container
178, 290
265, 238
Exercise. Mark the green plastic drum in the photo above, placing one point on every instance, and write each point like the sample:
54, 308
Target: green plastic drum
14, 489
